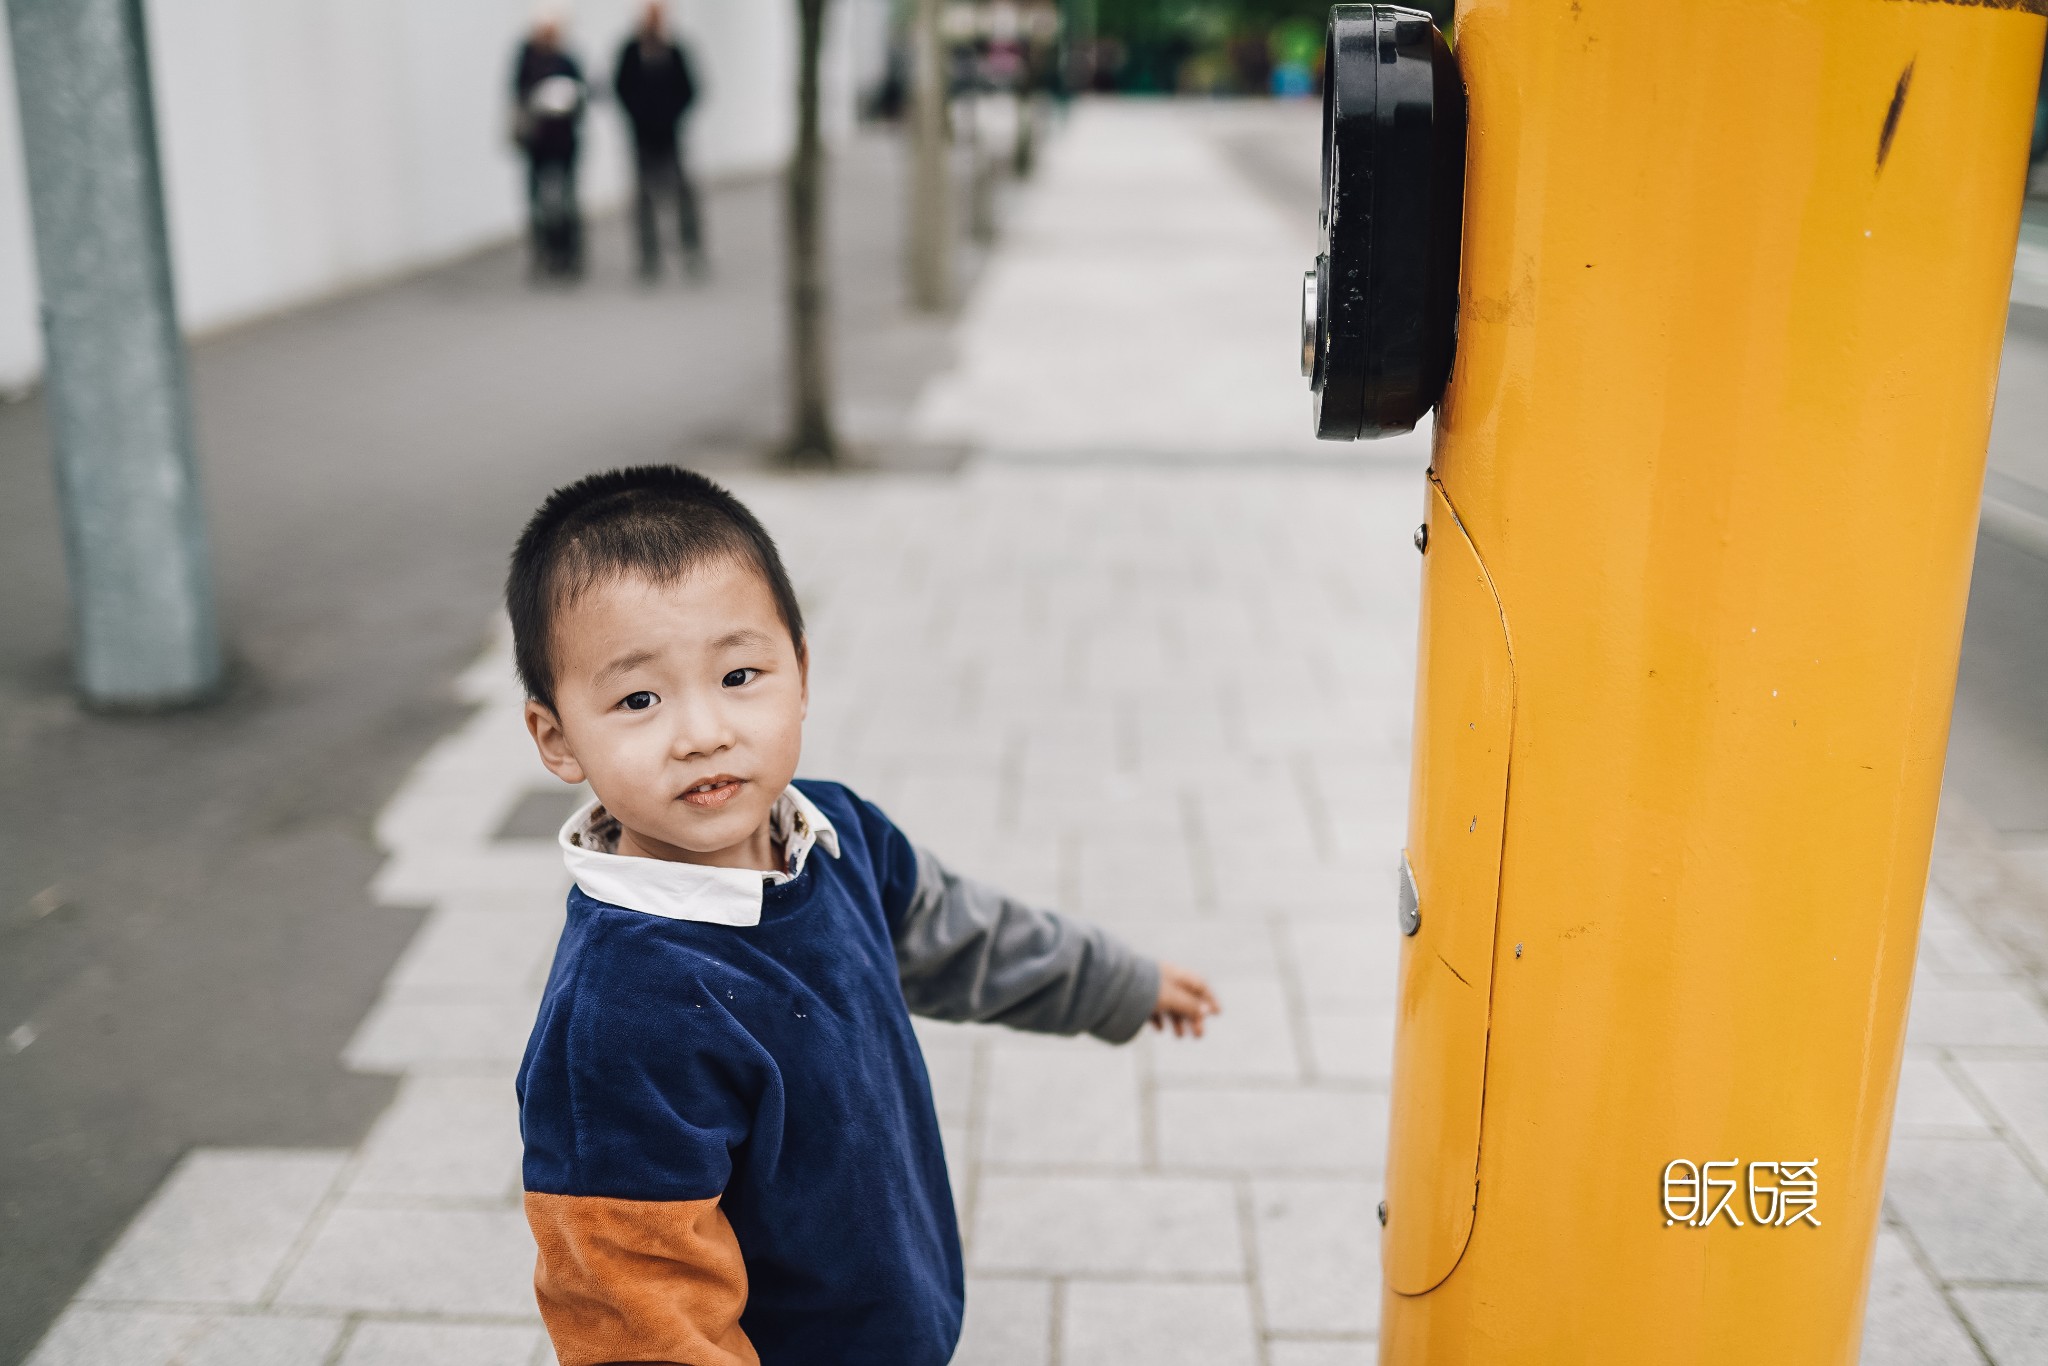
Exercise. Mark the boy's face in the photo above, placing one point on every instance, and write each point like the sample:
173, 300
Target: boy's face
683, 705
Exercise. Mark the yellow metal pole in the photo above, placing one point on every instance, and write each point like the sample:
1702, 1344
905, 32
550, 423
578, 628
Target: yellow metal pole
1699, 535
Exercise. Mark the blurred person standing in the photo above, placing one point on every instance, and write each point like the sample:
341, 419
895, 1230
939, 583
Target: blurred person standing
654, 86
549, 97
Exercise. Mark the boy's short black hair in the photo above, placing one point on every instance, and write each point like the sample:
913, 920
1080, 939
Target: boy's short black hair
658, 521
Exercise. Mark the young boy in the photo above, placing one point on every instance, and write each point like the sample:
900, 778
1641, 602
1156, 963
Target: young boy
731, 1151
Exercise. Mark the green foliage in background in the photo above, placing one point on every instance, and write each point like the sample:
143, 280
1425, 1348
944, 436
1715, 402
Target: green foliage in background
1211, 20
1215, 46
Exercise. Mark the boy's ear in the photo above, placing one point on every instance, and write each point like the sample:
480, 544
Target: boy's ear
546, 729
803, 674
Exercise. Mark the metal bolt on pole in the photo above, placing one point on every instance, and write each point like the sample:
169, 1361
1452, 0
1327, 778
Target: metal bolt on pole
120, 418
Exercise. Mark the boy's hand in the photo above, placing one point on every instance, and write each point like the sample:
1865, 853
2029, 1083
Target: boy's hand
1184, 1001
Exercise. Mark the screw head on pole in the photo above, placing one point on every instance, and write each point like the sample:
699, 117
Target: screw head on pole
1422, 539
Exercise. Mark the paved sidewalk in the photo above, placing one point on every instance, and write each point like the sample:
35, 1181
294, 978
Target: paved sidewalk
186, 937
1146, 301
1163, 684
1158, 758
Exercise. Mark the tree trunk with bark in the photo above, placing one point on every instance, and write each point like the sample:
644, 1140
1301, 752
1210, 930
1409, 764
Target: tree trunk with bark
812, 438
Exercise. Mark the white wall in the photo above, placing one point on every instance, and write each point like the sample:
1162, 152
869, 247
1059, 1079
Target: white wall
21, 344
309, 145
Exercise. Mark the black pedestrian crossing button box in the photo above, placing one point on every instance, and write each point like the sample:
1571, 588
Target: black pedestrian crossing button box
1380, 310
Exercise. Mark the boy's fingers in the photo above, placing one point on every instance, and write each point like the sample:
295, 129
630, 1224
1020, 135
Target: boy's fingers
1192, 987
1184, 999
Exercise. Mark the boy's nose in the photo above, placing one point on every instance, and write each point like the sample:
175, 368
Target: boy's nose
701, 729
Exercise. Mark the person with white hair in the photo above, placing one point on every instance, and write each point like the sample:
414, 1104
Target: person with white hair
549, 97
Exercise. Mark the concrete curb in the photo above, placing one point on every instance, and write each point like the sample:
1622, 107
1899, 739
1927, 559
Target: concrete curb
2016, 527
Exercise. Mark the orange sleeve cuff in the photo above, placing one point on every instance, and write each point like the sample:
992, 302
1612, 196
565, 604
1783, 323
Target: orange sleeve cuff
639, 1280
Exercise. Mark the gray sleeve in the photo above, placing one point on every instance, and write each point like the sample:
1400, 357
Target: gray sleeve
964, 951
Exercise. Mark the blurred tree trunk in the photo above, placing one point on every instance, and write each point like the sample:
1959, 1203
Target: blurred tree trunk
1077, 47
929, 246
981, 175
1024, 153
812, 440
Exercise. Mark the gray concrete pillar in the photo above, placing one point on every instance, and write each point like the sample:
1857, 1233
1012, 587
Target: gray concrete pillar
120, 419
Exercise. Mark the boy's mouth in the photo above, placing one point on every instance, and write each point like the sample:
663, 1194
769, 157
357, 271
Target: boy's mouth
714, 792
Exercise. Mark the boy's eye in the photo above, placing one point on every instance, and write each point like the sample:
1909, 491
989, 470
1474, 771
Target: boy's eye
638, 701
739, 677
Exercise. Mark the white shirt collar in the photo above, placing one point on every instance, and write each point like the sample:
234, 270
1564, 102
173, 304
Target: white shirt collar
689, 891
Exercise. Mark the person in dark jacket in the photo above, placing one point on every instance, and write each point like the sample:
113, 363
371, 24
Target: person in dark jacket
549, 97
655, 88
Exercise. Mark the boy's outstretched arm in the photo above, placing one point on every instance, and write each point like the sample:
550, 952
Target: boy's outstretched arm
965, 951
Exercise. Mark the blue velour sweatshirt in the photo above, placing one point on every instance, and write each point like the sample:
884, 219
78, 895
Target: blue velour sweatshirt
731, 1148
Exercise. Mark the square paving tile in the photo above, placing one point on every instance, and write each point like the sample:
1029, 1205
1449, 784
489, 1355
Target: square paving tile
219, 1228
1354, 1352
2018, 1089
388, 1261
1110, 1323
86, 1336
380, 1343
1255, 884
1930, 1099
1976, 1210
1277, 1129
513, 870
951, 1071
1119, 889
1252, 1038
265, 1340
1226, 951
480, 947
1949, 943
122, 1337
2013, 1323
454, 1137
1905, 1320
1075, 1225
1072, 1103
1009, 1323
1346, 966
1319, 1255
484, 1027
1353, 1045
1976, 1017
